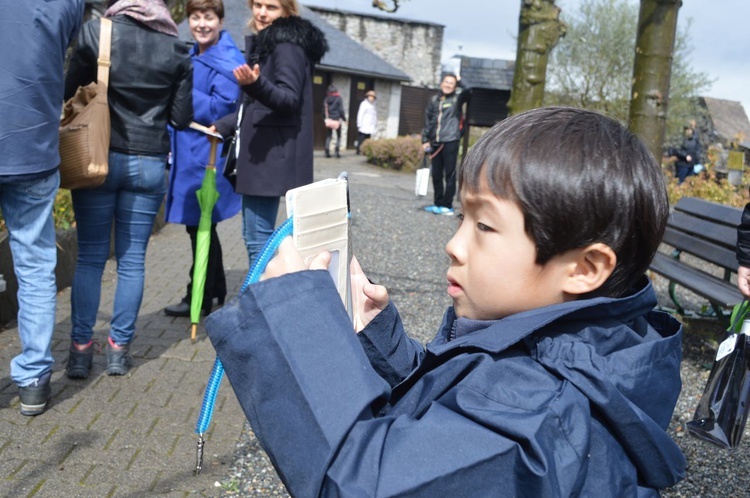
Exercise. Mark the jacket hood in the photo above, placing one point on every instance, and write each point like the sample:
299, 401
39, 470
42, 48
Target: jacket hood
296, 30
221, 57
622, 367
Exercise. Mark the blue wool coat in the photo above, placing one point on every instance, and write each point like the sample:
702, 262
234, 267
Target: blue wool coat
215, 94
566, 400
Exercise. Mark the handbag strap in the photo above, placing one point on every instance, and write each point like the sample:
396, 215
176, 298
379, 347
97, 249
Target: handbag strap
105, 45
325, 103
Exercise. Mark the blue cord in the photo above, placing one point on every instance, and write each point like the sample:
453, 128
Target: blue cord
214, 380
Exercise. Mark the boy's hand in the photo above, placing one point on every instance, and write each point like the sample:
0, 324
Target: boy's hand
245, 75
743, 280
289, 260
367, 299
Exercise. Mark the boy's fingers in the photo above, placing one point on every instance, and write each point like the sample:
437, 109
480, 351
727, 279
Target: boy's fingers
377, 294
320, 261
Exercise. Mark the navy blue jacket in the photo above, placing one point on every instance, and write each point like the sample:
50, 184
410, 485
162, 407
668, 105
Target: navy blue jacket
566, 400
35, 35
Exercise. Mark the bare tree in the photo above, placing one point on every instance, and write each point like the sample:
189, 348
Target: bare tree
654, 46
539, 29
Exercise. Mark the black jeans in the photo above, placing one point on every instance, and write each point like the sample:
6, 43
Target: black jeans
216, 282
329, 135
444, 168
361, 138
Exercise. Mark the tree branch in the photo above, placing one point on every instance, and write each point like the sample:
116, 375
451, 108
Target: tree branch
378, 4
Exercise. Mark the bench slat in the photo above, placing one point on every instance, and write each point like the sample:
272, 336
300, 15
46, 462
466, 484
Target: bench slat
722, 235
720, 256
718, 213
705, 285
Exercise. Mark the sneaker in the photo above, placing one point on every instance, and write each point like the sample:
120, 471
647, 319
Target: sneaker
443, 210
34, 397
430, 209
79, 360
118, 358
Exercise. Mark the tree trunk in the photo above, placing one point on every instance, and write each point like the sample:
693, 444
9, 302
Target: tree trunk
654, 45
539, 29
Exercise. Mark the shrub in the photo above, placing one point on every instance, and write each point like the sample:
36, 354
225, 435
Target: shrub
708, 186
401, 153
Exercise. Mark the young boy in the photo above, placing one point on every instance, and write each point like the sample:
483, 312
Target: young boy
551, 374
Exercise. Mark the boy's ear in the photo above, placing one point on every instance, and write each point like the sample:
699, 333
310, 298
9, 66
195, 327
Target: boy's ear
589, 268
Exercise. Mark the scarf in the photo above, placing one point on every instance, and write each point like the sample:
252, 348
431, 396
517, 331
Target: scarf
152, 13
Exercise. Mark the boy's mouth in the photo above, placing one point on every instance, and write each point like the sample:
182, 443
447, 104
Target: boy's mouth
454, 288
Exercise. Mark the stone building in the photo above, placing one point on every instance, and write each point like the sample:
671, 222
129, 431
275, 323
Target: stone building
412, 46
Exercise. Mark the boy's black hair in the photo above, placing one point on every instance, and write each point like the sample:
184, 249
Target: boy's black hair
579, 177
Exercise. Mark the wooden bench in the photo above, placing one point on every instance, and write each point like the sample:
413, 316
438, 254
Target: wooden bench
708, 232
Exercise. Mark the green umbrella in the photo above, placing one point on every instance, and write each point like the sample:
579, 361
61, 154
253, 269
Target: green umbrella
207, 197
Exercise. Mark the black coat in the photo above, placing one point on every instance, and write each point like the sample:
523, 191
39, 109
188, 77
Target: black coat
150, 83
276, 137
743, 238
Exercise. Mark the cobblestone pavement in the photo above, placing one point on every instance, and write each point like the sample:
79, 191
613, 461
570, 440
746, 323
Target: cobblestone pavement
133, 435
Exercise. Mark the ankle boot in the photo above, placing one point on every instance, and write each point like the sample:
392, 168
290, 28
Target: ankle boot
337, 152
328, 154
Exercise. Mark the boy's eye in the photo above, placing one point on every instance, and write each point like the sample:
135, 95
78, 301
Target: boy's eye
484, 228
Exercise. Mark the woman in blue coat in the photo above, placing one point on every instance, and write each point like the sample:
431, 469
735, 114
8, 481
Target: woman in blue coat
215, 94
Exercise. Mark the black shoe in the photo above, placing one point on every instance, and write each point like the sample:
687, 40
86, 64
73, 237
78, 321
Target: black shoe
338, 156
328, 154
118, 358
180, 309
79, 360
34, 397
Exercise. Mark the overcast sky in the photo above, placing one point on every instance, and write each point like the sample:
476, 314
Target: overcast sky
488, 28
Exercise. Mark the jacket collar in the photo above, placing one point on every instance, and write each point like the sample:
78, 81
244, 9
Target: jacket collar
497, 335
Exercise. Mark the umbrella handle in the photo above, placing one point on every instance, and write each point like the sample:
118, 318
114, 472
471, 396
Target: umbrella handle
212, 153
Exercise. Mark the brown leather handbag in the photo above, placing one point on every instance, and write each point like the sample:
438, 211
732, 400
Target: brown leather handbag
85, 126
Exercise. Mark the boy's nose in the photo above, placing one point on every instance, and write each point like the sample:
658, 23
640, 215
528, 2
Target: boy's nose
453, 247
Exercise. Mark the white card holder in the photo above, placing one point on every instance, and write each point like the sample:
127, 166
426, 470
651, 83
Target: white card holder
320, 214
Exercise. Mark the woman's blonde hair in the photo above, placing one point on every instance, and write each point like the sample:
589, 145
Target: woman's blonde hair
290, 8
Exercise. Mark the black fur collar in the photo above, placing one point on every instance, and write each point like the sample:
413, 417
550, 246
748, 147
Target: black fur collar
292, 29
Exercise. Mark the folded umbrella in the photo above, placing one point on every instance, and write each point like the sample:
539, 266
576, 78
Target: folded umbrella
207, 197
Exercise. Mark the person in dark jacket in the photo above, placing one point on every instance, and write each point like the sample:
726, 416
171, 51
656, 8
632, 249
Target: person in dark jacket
551, 375
36, 35
440, 139
276, 133
215, 94
150, 86
334, 109
687, 155
743, 252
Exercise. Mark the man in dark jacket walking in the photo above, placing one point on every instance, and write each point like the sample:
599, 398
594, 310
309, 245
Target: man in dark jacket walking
687, 155
31, 95
440, 139
334, 109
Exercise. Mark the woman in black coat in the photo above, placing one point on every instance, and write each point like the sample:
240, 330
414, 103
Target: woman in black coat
276, 132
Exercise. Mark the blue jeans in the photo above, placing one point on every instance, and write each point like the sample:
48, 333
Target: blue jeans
130, 197
258, 222
27, 209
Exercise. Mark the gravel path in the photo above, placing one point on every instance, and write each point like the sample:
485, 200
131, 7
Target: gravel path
401, 247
